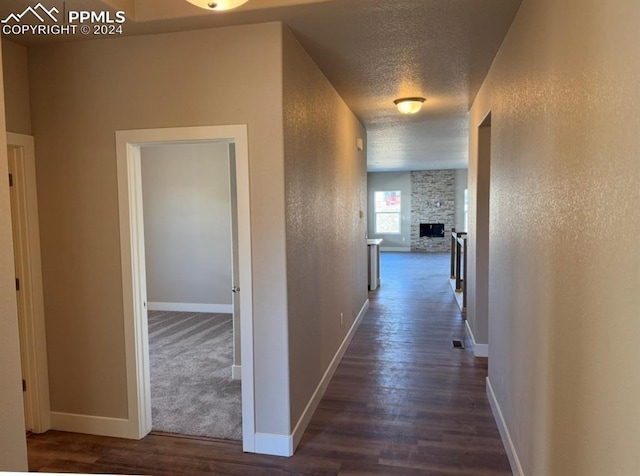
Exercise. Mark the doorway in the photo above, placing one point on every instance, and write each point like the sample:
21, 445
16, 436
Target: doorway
129, 145
28, 271
188, 215
483, 193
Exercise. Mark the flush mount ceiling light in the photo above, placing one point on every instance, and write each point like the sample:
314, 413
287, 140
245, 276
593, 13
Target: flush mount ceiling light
409, 105
218, 5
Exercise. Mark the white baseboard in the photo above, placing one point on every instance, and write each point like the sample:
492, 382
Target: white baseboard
90, 425
396, 249
514, 461
274, 445
285, 445
236, 372
305, 418
190, 307
479, 350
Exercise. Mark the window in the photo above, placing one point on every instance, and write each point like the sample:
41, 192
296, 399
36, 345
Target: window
387, 209
466, 209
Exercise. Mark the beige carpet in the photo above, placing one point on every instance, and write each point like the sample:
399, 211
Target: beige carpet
192, 392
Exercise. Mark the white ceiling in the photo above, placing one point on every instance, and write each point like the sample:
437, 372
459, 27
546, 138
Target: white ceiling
373, 51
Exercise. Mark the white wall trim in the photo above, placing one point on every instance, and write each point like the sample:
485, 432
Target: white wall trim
479, 350
396, 249
190, 307
90, 425
236, 372
275, 445
514, 461
305, 418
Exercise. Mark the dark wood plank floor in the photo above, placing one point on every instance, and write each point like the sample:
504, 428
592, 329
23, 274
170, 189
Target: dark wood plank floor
402, 402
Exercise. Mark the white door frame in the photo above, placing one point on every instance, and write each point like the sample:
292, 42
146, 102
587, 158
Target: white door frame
128, 144
33, 348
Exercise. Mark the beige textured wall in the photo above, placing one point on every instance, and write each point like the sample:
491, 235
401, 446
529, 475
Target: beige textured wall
187, 223
13, 448
82, 92
326, 188
16, 87
565, 259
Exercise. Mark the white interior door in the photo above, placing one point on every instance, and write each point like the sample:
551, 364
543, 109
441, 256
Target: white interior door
236, 370
16, 186
29, 293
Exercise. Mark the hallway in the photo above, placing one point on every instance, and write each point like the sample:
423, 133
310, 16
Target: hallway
402, 391
402, 402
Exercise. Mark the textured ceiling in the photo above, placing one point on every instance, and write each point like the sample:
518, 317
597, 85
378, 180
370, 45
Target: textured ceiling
373, 52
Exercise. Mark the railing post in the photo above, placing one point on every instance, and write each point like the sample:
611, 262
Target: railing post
464, 279
453, 253
458, 263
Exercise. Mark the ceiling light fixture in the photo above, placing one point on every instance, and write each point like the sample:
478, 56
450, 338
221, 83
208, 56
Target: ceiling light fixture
218, 5
409, 105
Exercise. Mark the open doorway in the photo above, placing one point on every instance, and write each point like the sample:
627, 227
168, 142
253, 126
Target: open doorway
483, 192
189, 247
130, 148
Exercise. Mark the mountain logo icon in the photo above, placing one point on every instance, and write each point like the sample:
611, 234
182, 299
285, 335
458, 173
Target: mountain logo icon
39, 11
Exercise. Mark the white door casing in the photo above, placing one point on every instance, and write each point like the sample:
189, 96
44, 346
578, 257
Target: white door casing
128, 144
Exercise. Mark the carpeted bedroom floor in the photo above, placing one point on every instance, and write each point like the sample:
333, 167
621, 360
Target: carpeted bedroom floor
192, 392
